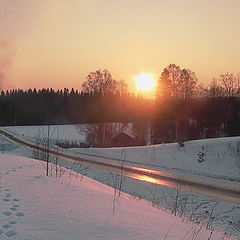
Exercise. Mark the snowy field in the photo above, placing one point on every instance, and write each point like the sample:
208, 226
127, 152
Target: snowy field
37, 207
69, 133
215, 158
212, 159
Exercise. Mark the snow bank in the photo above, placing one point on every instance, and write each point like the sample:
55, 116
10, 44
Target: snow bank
37, 207
69, 133
216, 158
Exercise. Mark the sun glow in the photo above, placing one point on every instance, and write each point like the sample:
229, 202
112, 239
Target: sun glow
145, 82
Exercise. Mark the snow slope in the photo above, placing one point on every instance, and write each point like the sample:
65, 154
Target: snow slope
70, 133
221, 156
37, 207
221, 165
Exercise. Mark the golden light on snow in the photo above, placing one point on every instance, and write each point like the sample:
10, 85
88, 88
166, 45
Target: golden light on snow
145, 82
149, 179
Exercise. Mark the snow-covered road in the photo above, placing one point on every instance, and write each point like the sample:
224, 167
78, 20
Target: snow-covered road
187, 183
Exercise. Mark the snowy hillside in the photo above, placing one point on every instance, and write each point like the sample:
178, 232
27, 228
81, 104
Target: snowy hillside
37, 207
216, 158
71, 133
212, 160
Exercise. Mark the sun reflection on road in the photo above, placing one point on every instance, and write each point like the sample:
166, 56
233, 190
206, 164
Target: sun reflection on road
150, 179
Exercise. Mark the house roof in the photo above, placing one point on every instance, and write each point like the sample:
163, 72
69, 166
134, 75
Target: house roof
128, 130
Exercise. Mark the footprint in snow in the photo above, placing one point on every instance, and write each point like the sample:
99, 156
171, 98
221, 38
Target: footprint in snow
16, 200
12, 222
19, 214
6, 226
6, 199
13, 208
7, 213
10, 233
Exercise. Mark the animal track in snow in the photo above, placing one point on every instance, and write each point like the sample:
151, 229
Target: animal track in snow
7, 213
6, 199
5, 226
12, 222
10, 233
16, 200
19, 214
13, 209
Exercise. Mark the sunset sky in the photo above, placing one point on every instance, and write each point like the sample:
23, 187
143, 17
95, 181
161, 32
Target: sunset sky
56, 43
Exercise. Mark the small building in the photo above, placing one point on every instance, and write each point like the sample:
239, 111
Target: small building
124, 138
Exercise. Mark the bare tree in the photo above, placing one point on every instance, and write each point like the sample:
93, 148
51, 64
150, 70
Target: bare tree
169, 81
99, 82
102, 83
119, 179
238, 84
215, 90
45, 140
187, 83
200, 91
122, 87
177, 83
229, 84
226, 85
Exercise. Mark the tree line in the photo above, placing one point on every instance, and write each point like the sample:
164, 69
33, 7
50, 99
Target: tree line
187, 110
183, 109
47, 106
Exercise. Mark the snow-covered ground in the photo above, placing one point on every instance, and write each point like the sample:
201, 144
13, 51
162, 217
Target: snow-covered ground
214, 159
220, 157
37, 207
69, 133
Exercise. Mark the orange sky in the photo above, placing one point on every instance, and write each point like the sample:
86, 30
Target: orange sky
55, 43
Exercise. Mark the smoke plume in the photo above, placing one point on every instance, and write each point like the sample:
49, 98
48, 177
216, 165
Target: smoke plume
7, 51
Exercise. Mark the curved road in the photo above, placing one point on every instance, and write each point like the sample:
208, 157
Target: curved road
189, 184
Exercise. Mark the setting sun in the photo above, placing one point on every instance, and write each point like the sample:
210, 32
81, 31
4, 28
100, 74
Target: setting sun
145, 82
